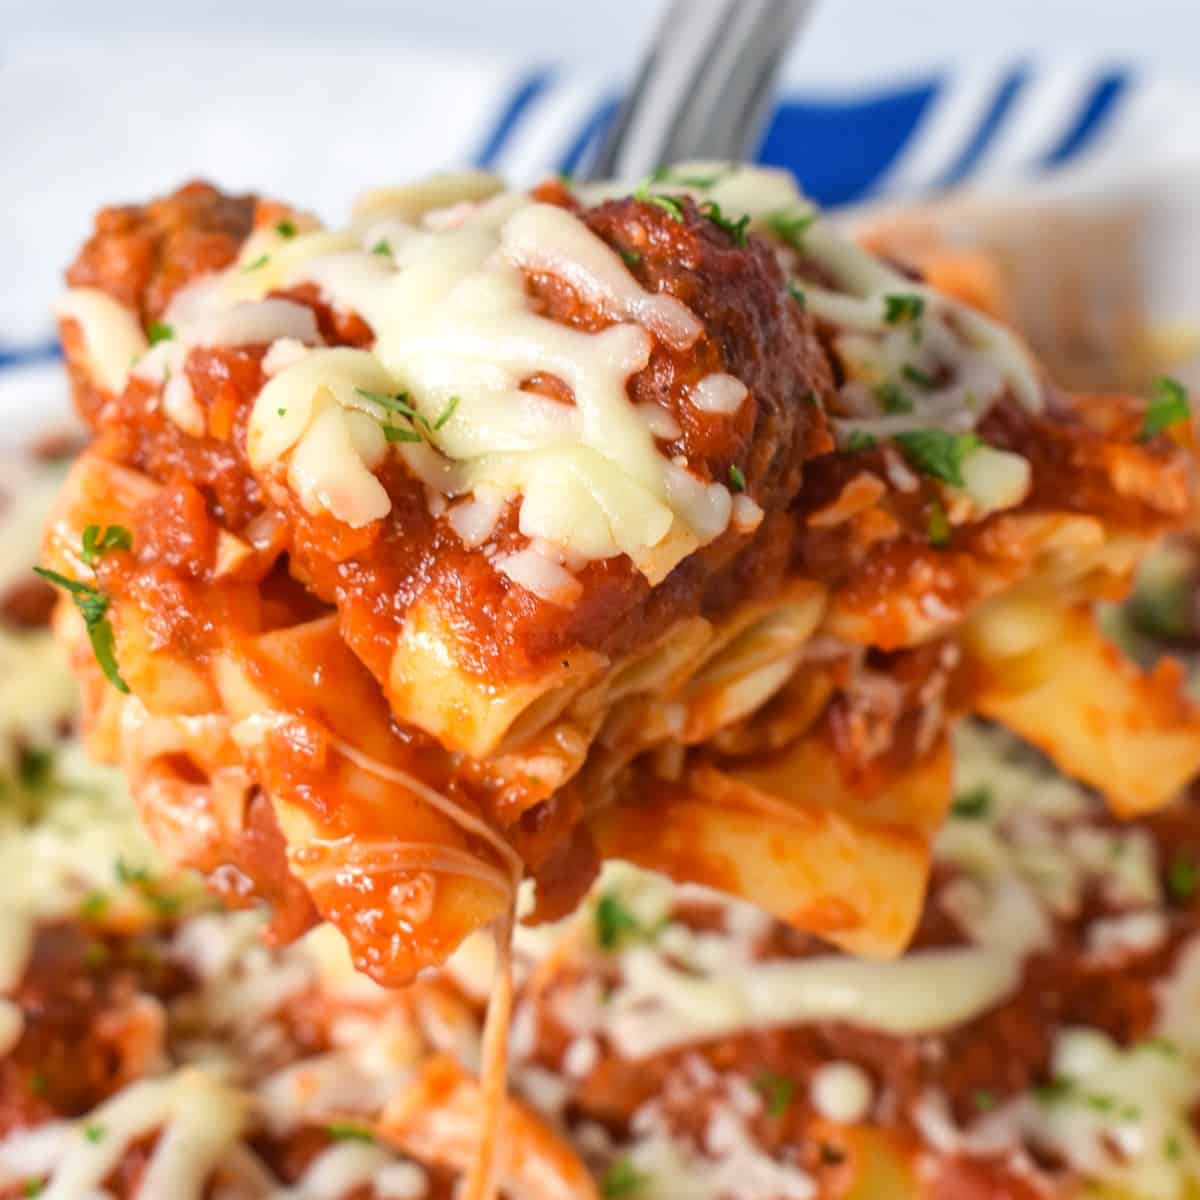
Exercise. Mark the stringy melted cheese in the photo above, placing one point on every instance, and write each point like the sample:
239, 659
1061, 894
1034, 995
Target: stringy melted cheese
438, 272
456, 333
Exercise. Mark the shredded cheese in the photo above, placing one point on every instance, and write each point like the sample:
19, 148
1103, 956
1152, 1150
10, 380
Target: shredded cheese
112, 337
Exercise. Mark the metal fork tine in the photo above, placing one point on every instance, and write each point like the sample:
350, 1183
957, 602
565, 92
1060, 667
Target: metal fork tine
704, 86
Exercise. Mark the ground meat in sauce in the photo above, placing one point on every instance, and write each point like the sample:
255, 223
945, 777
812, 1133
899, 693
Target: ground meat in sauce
78, 1046
142, 255
753, 330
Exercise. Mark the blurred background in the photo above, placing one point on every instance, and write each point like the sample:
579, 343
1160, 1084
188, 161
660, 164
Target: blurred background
1087, 107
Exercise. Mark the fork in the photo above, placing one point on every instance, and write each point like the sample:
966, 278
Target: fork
704, 87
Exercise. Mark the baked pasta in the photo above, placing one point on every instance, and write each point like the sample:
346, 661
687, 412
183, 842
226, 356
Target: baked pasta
501, 532
1039, 1041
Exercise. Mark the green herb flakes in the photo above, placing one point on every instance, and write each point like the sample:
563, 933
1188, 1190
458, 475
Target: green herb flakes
974, 804
622, 1179
915, 375
35, 767
1182, 877
159, 331
937, 527
93, 607
903, 309
777, 1092
285, 229
938, 453
96, 544
669, 204
790, 225
613, 922
737, 479
1168, 404
857, 442
397, 433
446, 413
892, 399
345, 1131
736, 229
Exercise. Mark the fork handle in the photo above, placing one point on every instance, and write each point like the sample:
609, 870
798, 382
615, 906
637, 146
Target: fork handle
704, 87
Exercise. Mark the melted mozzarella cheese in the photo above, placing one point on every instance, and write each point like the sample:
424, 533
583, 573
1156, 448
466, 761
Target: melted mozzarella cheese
719, 393
197, 1113
458, 334
658, 1006
112, 336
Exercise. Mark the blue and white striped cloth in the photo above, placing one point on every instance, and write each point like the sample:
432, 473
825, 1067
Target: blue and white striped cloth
316, 124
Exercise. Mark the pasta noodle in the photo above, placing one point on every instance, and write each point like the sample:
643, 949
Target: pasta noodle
501, 533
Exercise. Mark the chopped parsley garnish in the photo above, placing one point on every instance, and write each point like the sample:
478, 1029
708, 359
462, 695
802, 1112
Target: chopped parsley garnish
382, 247
39, 1085
938, 453
892, 399
35, 766
736, 229
400, 404
446, 413
777, 1092
257, 264
790, 226
93, 606
32, 1187
614, 922
285, 229
94, 905
631, 258
985, 1100
96, 544
344, 1131
973, 804
797, 294
737, 479
669, 204
397, 433
700, 182
95, 956
1168, 403
1173, 1147
130, 875
159, 331
163, 903
937, 528
622, 1179
1182, 878
1057, 1089
903, 308
94, 1132
917, 376
1160, 1045
858, 441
